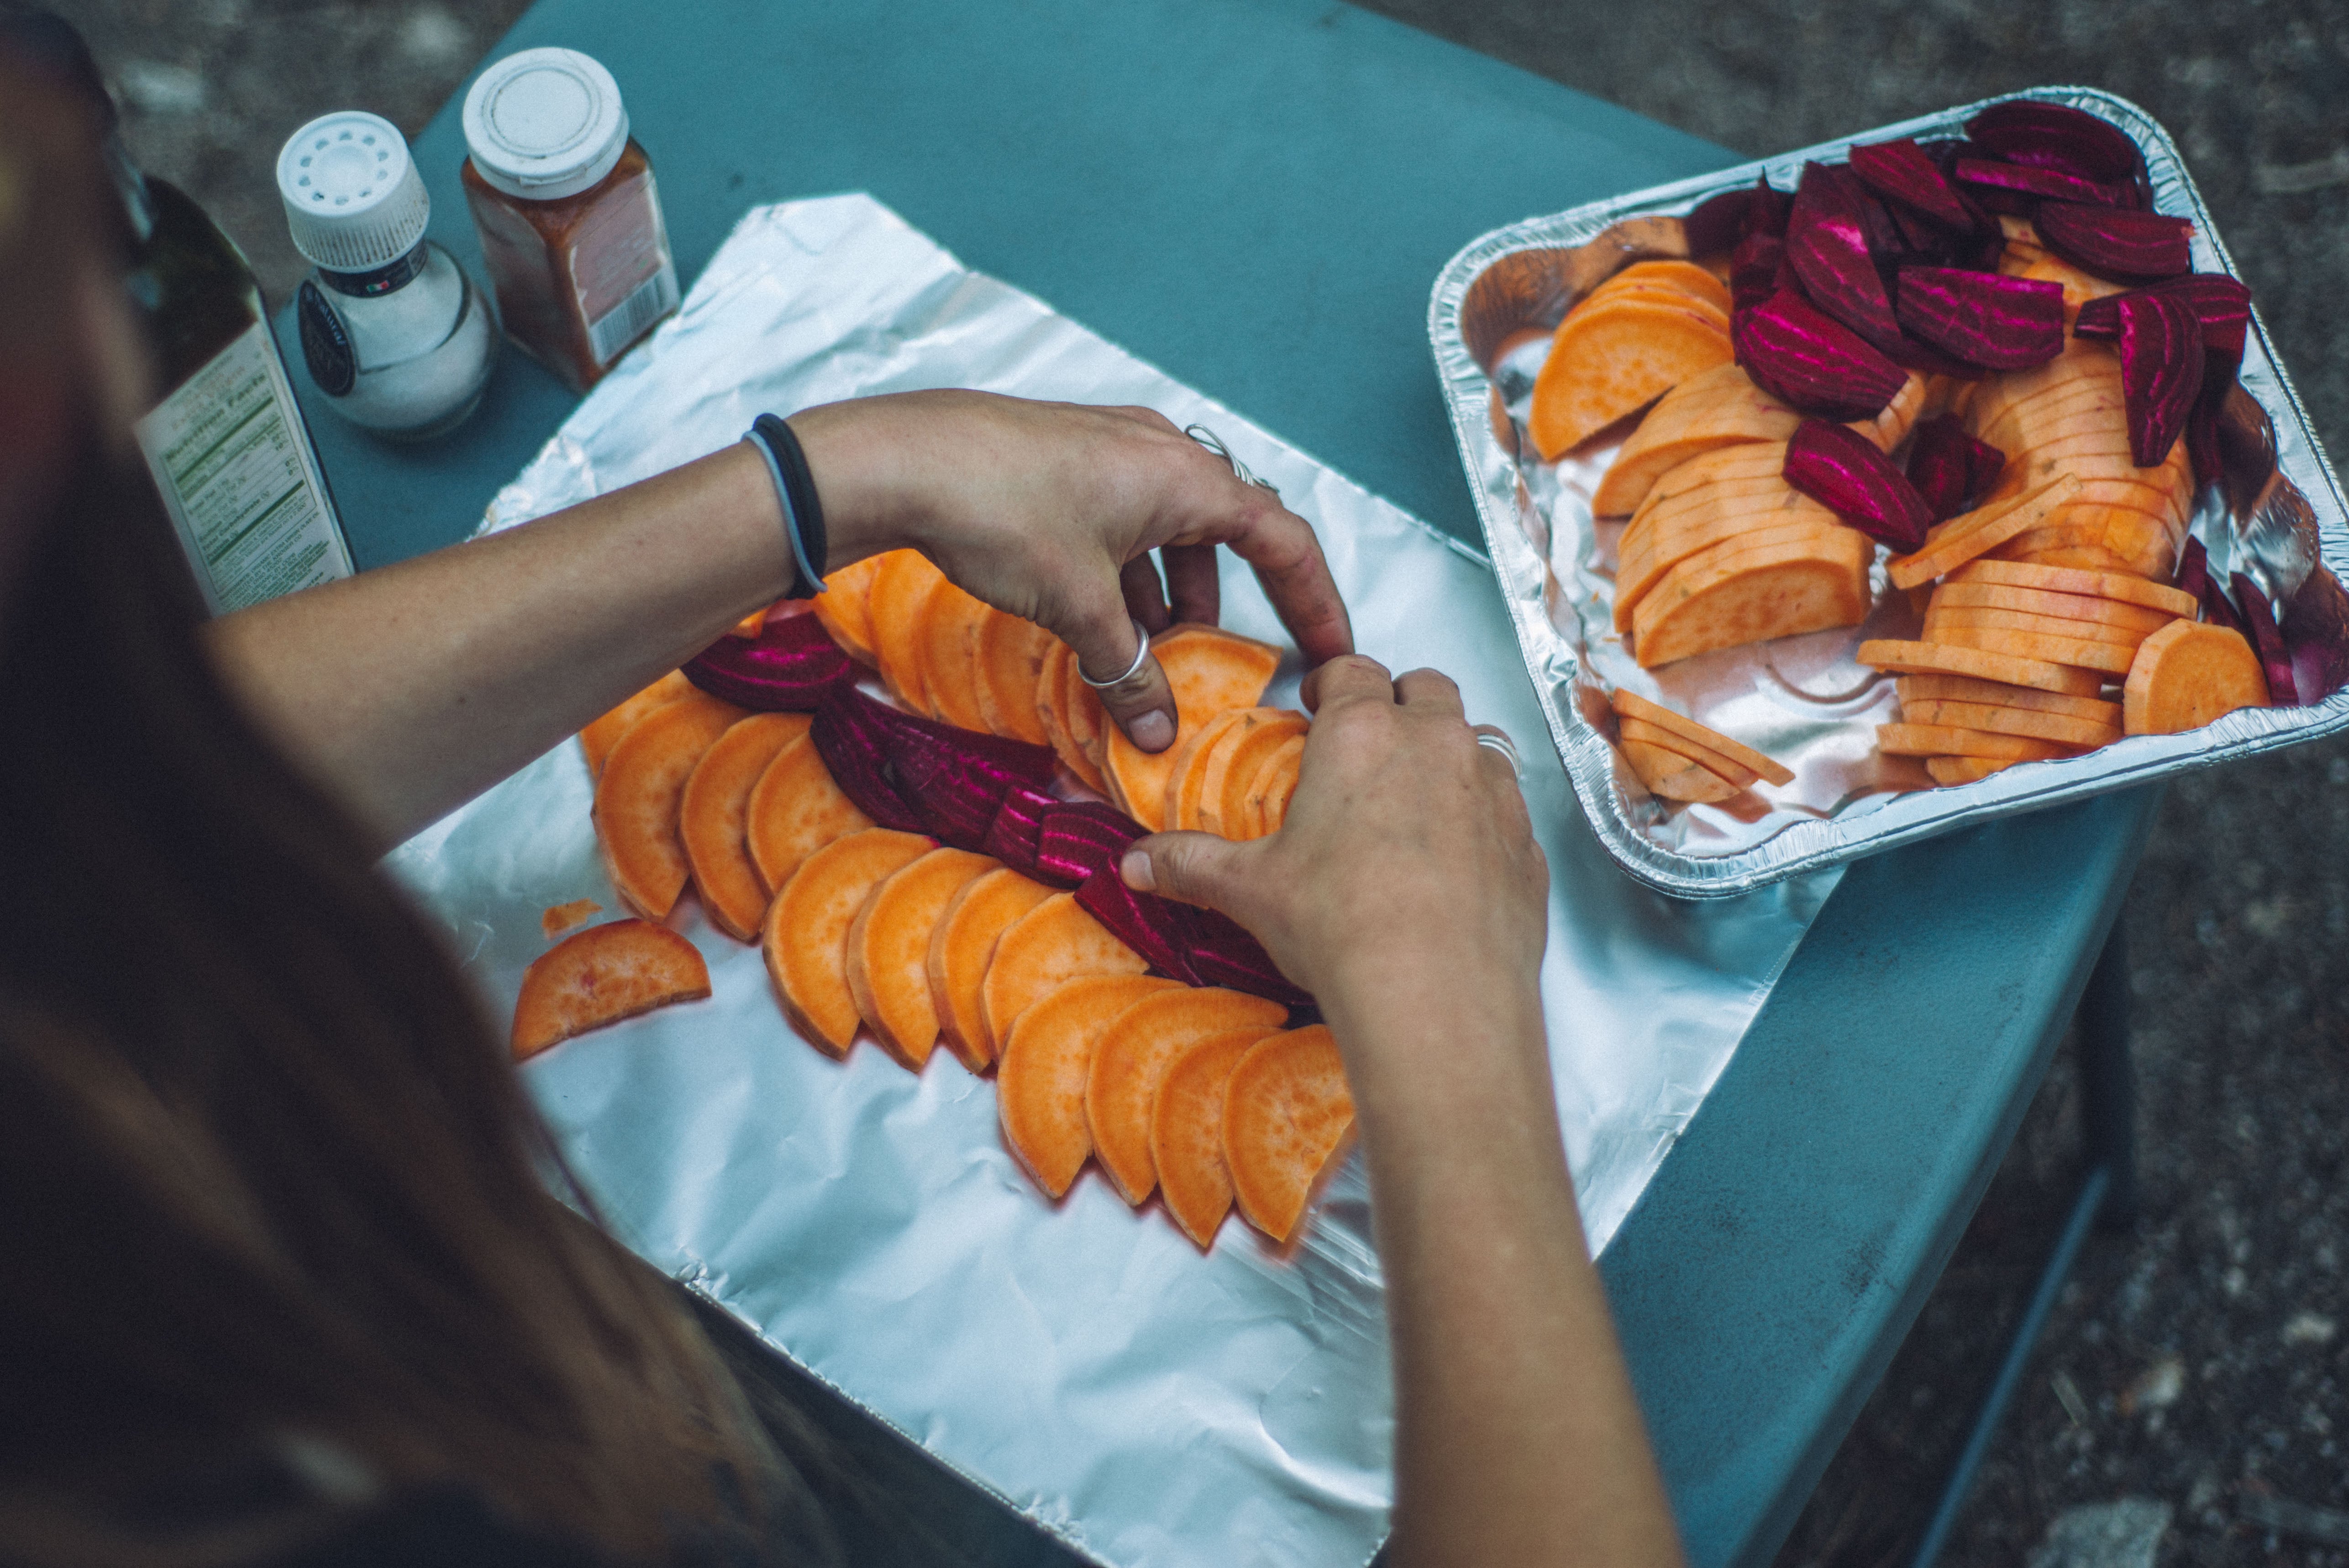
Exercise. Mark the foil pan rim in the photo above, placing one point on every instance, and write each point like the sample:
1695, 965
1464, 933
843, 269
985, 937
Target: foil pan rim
1812, 844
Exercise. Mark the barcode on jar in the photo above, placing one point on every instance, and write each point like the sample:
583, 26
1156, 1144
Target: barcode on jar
627, 321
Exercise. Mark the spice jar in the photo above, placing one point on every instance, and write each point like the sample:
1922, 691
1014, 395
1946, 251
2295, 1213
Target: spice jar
393, 332
569, 219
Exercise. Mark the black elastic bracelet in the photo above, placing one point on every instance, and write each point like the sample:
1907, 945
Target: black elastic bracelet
804, 512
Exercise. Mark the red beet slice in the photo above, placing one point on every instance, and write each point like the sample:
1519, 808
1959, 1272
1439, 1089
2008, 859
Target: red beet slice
1770, 210
1997, 323
1951, 468
1149, 925
852, 742
1811, 363
1718, 222
1223, 952
2014, 181
791, 666
2126, 247
1899, 172
2219, 303
2259, 624
1829, 244
1753, 269
2216, 607
2161, 372
2057, 137
1842, 470
1012, 838
2193, 569
2316, 634
1076, 840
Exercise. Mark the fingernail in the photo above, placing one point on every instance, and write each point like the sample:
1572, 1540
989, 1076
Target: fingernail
1135, 869
1153, 731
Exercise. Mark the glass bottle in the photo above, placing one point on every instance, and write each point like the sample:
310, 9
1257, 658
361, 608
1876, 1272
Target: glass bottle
567, 211
392, 332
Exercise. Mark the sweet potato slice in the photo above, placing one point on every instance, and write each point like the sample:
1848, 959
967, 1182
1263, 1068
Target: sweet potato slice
1966, 689
946, 645
1942, 658
1187, 1133
1965, 770
1631, 705
1672, 775
1947, 740
1980, 531
962, 945
1722, 408
1132, 1061
1231, 772
595, 741
1009, 667
805, 939
1703, 756
1724, 597
1082, 711
713, 819
1639, 574
1960, 617
1744, 462
1039, 1089
1181, 808
2055, 727
1268, 792
1612, 358
562, 917
900, 589
1686, 277
641, 792
2046, 602
1051, 713
846, 605
795, 809
2186, 675
603, 974
2111, 659
1209, 671
1287, 1118
1043, 949
888, 951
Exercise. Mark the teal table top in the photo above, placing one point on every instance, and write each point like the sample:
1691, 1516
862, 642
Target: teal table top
1257, 196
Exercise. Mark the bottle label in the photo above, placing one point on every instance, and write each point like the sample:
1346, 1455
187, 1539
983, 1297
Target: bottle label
625, 322
325, 345
237, 475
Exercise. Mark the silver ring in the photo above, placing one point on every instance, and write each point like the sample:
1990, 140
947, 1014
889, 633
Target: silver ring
1214, 443
1497, 742
1140, 657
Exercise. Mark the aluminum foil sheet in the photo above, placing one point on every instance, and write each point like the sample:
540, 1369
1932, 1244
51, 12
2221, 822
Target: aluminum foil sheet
1805, 700
1149, 1404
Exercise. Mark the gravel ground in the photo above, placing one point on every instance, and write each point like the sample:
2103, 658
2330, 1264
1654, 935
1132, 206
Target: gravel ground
2198, 1362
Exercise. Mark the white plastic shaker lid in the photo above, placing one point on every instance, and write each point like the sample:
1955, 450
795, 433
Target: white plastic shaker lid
353, 197
545, 123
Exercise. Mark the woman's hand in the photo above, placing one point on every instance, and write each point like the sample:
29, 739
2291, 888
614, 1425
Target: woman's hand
1051, 512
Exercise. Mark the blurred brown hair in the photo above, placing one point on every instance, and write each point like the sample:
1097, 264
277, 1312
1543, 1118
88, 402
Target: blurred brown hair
273, 1206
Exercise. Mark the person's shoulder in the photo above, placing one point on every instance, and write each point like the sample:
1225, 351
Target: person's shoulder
448, 1527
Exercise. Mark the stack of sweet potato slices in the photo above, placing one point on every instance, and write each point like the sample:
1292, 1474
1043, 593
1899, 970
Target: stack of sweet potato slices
1679, 759
1645, 330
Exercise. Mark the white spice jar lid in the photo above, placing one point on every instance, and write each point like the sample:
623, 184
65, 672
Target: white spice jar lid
545, 123
354, 200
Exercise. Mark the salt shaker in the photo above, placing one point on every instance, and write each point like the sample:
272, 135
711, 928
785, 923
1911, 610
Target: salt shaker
392, 331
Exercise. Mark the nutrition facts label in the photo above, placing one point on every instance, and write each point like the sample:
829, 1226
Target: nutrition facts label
239, 479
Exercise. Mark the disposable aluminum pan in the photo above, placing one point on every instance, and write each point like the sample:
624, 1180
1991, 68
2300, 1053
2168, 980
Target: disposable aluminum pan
1806, 700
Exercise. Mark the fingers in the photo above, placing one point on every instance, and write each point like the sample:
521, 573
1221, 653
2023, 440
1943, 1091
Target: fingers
1145, 600
1352, 677
1281, 549
1194, 586
1142, 704
1429, 688
1192, 868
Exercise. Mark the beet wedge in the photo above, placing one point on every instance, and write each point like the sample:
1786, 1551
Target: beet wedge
791, 666
1844, 471
2162, 356
2056, 136
1949, 468
2123, 246
1997, 323
1811, 363
1901, 172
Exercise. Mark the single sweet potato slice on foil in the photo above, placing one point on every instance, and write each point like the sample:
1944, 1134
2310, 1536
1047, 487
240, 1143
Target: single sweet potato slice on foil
1186, 1131
1040, 1086
1288, 1120
1997, 694
1951, 545
2059, 727
889, 950
962, 945
595, 741
2111, 659
713, 819
1611, 360
1043, 949
2044, 602
1943, 658
1009, 667
1942, 618
641, 793
1947, 740
2186, 675
805, 939
901, 587
616, 970
795, 809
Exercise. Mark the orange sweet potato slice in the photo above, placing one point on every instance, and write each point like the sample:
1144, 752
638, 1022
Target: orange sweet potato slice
1721, 408
1187, 1133
946, 645
1724, 597
595, 741
603, 974
1731, 533
1209, 670
713, 817
1131, 1063
962, 945
900, 588
1980, 531
1631, 705
1039, 1089
1942, 658
846, 606
1686, 277
805, 939
2046, 602
1958, 618
641, 793
888, 951
1051, 714
1966, 689
563, 917
795, 809
1704, 756
1269, 793
1088, 721
1949, 740
1671, 776
1613, 358
2004, 721
1965, 770
2112, 658
1009, 667
1223, 793
1194, 754
2120, 585
2186, 675
1043, 949
1287, 1119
